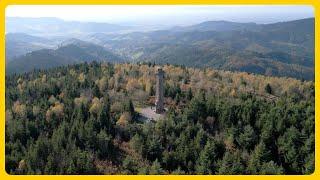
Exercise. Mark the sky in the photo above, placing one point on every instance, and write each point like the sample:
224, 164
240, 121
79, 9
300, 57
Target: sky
163, 14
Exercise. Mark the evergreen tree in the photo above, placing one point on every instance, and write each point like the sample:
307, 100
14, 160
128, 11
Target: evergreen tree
231, 164
206, 164
247, 139
130, 165
105, 146
189, 94
268, 89
156, 168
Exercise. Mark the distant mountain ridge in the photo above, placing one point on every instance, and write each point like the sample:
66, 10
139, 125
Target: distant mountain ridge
66, 54
56, 26
219, 26
236, 26
18, 44
278, 49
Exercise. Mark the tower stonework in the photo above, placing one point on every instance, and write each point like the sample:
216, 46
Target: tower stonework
159, 91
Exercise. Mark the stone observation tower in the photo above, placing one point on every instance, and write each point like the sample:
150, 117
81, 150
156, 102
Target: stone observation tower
159, 91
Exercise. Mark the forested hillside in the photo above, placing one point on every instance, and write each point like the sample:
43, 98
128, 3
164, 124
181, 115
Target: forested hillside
284, 49
84, 119
18, 44
279, 49
69, 52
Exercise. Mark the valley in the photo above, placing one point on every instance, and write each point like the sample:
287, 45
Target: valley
279, 49
158, 96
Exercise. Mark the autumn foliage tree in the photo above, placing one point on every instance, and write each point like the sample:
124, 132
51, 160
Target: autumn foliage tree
84, 119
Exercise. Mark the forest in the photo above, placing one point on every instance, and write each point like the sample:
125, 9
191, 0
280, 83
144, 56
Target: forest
84, 119
284, 49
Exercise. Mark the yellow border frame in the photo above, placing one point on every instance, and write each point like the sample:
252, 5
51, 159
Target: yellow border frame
5, 3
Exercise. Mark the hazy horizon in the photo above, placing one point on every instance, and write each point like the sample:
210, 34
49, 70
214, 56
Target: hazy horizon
164, 15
